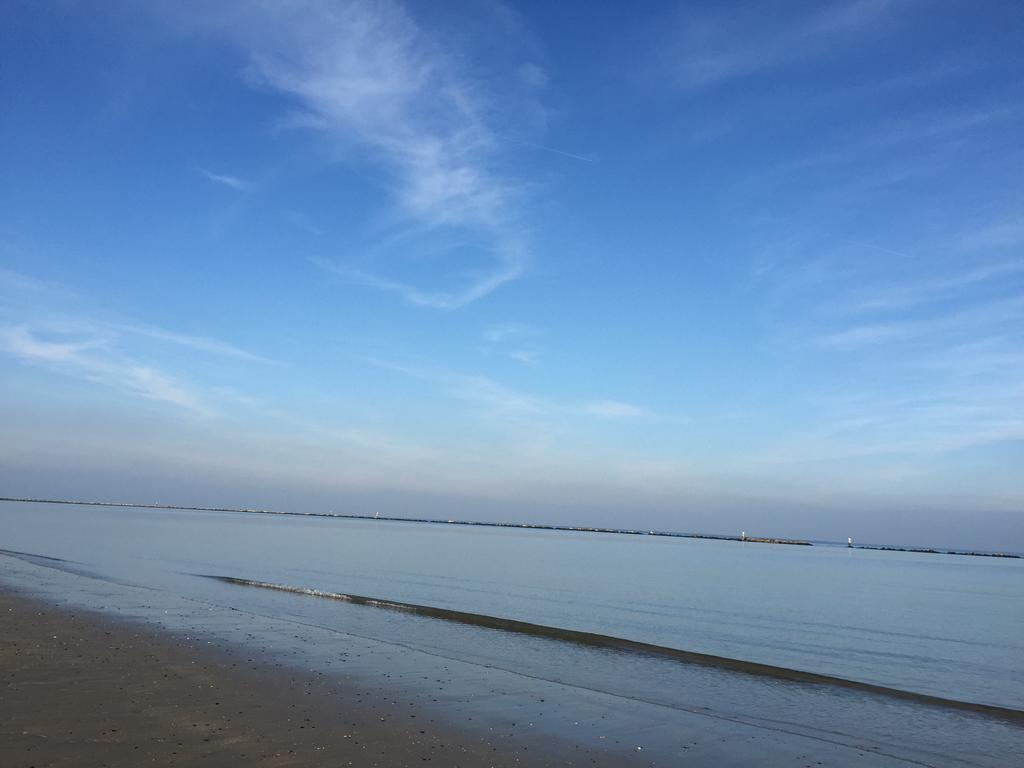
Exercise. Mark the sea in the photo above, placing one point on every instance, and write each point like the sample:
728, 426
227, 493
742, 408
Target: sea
946, 628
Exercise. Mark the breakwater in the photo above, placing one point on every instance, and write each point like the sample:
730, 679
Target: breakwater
429, 520
525, 526
933, 551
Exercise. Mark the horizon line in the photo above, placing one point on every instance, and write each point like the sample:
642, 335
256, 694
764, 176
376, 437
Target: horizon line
742, 538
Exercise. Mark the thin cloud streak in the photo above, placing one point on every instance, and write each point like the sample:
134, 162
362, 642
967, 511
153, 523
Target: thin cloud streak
225, 180
1007, 233
89, 360
53, 308
926, 364
918, 292
989, 314
512, 270
552, 150
612, 409
198, 343
728, 44
44, 324
510, 402
513, 340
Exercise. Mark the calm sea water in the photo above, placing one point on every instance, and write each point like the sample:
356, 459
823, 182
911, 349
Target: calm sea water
943, 625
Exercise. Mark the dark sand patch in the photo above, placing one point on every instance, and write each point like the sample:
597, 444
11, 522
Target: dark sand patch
78, 690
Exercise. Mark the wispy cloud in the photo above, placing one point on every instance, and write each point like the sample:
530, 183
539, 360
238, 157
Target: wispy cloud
370, 76
46, 324
864, 335
959, 410
512, 403
514, 340
613, 409
978, 316
510, 268
553, 150
224, 179
1000, 234
895, 149
735, 41
911, 293
91, 360
198, 343
482, 390
913, 355
304, 222
25, 300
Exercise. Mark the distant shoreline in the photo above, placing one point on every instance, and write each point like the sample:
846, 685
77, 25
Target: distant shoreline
527, 526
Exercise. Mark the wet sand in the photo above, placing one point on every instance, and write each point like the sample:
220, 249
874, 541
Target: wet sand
142, 676
82, 690
630, 646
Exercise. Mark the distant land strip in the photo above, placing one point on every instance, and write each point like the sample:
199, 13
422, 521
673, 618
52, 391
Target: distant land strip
528, 526
610, 642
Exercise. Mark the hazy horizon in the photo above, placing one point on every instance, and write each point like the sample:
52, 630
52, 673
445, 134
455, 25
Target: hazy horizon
706, 267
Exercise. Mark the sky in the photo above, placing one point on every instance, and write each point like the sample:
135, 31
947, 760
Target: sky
698, 266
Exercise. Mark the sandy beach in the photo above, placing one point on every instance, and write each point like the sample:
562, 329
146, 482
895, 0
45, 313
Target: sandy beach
81, 690
164, 667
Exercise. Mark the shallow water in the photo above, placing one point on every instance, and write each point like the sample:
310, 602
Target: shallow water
941, 625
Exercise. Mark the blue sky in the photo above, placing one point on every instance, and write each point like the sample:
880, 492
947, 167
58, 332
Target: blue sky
702, 266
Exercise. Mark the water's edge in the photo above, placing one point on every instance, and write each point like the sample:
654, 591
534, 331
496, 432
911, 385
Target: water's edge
596, 640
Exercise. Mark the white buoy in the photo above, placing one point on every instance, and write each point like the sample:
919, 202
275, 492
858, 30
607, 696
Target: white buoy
849, 541
743, 535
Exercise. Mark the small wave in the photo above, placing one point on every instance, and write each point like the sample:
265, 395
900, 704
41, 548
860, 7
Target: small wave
58, 564
610, 642
32, 556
